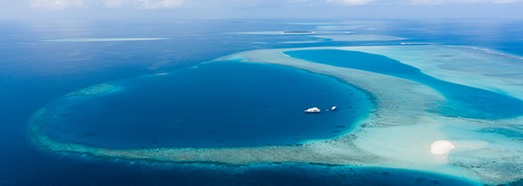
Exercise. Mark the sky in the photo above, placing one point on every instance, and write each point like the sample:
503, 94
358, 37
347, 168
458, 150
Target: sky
260, 9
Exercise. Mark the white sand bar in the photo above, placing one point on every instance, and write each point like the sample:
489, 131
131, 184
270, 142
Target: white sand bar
400, 133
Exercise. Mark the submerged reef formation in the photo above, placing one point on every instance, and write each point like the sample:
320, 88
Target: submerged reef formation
104, 88
403, 131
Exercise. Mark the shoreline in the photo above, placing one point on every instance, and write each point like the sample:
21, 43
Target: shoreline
401, 110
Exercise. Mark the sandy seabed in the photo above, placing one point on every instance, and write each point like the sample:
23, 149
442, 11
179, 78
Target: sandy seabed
399, 133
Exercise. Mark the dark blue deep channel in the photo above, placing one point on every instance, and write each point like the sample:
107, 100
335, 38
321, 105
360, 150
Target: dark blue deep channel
462, 101
223, 104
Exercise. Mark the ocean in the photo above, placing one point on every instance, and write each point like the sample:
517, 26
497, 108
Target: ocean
169, 94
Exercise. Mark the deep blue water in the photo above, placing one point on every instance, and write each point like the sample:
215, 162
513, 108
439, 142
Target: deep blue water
462, 101
34, 73
224, 104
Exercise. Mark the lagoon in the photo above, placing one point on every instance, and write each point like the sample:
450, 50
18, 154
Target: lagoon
221, 104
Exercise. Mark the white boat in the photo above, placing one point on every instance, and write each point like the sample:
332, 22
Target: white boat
333, 108
313, 110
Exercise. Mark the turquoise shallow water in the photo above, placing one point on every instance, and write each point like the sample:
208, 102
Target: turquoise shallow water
462, 101
34, 73
223, 104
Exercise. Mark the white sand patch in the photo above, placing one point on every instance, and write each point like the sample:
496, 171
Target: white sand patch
441, 147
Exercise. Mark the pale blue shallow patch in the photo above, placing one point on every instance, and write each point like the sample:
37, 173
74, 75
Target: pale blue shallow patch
462, 101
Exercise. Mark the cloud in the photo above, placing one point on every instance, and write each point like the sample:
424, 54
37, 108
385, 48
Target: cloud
114, 3
55, 4
94, 4
351, 2
400, 2
438, 2
169, 4
160, 4
344, 2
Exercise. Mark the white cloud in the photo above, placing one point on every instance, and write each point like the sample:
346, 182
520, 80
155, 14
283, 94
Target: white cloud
114, 3
351, 2
303, 2
437, 2
136, 4
344, 2
399, 2
236, 4
160, 4
55, 4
